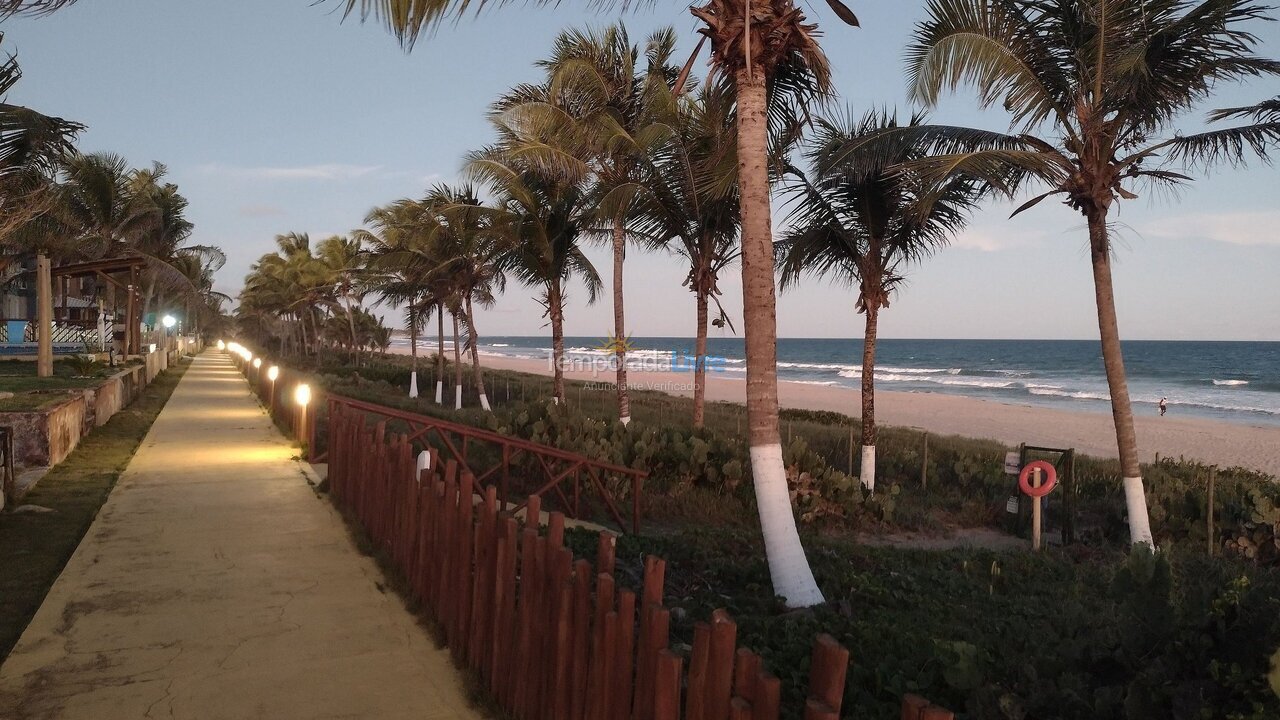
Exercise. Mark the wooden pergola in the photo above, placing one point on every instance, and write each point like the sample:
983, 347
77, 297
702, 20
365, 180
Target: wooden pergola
106, 269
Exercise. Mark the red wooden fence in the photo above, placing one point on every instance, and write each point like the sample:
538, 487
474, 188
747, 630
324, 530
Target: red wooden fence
550, 637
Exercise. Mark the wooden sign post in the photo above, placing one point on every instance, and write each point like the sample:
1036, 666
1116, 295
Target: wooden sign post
1031, 484
1035, 511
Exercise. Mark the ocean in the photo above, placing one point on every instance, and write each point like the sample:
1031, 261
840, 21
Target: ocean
1234, 381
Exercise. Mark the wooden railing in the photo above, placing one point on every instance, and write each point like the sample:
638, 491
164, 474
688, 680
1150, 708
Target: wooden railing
518, 468
549, 637
556, 472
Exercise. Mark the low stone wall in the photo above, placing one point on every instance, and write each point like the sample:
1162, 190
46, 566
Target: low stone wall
47, 436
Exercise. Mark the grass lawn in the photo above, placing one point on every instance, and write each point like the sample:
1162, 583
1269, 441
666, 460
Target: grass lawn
34, 547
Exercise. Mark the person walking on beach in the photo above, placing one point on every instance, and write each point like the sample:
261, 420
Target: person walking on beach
1164, 406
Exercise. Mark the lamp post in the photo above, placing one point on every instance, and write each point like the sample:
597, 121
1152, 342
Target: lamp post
257, 371
273, 373
302, 395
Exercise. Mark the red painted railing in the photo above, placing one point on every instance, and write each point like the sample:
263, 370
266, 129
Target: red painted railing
566, 475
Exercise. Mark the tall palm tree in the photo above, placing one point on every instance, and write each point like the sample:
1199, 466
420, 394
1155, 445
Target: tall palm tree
401, 269
857, 217
544, 210
596, 83
689, 206
760, 46
345, 259
471, 251
1091, 86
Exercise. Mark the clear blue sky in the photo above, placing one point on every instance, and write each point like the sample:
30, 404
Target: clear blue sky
274, 117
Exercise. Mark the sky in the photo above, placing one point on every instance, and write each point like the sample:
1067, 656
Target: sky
275, 116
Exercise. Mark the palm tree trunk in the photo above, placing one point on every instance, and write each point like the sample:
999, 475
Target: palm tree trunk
555, 308
700, 361
440, 354
619, 321
788, 566
867, 473
457, 364
351, 323
1113, 361
413, 350
475, 356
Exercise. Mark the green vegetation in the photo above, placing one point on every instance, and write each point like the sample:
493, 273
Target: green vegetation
36, 546
1076, 634
966, 486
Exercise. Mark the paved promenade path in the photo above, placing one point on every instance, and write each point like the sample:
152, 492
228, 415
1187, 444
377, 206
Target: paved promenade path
216, 584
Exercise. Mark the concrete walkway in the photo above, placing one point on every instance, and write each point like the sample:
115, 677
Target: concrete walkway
216, 584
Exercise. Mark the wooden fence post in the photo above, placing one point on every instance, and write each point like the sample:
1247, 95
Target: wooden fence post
826, 679
668, 668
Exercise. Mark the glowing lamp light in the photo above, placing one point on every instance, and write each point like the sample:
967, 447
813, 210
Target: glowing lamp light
168, 321
302, 395
257, 363
222, 345
272, 373
153, 347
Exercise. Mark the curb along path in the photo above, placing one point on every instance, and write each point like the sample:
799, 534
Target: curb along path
216, 584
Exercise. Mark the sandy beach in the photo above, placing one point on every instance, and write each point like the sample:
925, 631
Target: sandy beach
1211, 441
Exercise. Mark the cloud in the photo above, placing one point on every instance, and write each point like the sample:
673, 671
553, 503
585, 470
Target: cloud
1234, 228
323, 172
261, 211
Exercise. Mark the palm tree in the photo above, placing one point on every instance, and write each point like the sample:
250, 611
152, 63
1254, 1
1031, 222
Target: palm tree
471, 252
345, 260
689, 206
594, 78
761, 47
1091, 86
857, 217
400, 269
544, 215
32, 147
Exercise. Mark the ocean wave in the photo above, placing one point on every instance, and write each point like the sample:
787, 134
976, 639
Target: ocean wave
1059, 392
951, 381
499, 345
1231, 383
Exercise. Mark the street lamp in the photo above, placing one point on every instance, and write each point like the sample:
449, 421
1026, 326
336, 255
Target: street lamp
222, 345
302, 395
273, 373
168, 321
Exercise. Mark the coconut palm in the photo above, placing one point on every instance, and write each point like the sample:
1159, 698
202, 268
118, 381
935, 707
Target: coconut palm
857, 217
1092, 87
400, 269
760, 47
471, 252
32, 146
600, 101
544, 212
345, 260
689, 206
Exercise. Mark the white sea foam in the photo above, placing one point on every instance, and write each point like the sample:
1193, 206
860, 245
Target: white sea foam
1231, 383
1076, 394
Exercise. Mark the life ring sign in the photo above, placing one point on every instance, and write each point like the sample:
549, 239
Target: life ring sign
1050, 478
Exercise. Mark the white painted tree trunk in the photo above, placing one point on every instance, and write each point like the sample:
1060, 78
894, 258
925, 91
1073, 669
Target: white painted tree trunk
413, 384
439, 392
1139, 521
424, 462
788, 566
867, 473
484, 402
457, 397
